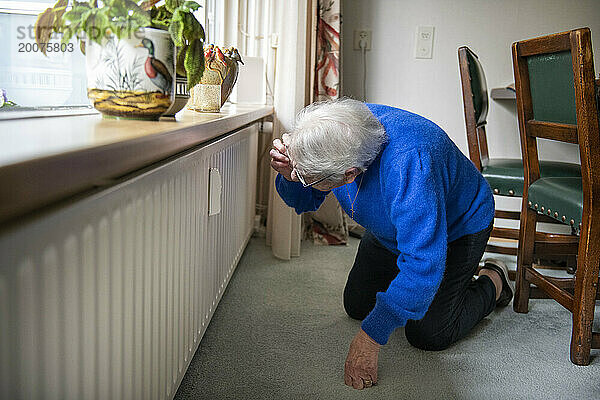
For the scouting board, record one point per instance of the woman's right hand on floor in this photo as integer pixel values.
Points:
(280, 161)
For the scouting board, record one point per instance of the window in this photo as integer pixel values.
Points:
(31, 80)
(257, 42)
(253, 27)
(55, 84)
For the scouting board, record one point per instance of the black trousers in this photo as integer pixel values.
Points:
(459, 304)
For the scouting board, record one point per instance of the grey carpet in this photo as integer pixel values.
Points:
(280, 332)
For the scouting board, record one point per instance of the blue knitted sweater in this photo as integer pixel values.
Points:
(419, 194)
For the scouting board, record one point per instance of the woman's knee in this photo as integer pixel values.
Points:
(355, 305)
(355, 311)
(424, 338)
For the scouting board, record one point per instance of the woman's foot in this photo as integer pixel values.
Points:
(497, 271)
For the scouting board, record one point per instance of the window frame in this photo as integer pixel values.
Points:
(35, 8)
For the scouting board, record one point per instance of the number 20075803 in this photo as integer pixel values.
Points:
(45, 47)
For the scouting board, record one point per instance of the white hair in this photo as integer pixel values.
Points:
(331, 136)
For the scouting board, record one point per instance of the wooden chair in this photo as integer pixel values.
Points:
(505, 175)
(554, 80)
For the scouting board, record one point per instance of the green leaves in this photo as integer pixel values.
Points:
(179, 63)
(75, 14)
(194, 62)
(59, 9)
(119, 17)
(176, 28)
(161, 17)
(122, 18)
(192, 28)
(192, 5)
(188, 34)
(125, 17)
(184, 25)
(172, 5)
(95, 24)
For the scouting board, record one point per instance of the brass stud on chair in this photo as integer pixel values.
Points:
(555, 215)
(535, 206)
(572, 222)
(542, 208)
(496, 191)
(549, 212)
(564, 218)
(511, 192)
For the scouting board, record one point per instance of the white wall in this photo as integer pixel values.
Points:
(431, 87)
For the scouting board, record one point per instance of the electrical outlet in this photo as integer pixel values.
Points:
(424, 42)
(362, 36)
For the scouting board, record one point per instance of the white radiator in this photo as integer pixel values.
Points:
(108, 297)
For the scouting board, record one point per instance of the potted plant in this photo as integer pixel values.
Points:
(134, 51)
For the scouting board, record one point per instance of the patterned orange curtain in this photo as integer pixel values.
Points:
(327, 68)
(327, 225)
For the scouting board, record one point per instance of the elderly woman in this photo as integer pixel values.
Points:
(428, 214)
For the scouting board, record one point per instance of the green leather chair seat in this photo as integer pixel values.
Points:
(559, 198)
(505, 175)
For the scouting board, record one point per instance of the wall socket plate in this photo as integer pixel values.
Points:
(424, 42)
(364, 35)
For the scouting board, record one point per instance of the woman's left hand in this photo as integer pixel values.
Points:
(360, 370)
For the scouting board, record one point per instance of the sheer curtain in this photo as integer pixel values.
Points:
(276, 31)
(300, 44)
(284, 228)
(307, 66)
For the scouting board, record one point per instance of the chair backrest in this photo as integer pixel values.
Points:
(555, 85)
(475, 101)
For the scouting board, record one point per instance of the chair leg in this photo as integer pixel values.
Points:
(524, 259)
(584, 301)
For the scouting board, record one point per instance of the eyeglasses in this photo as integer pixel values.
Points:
(300, 177)
(303, 182)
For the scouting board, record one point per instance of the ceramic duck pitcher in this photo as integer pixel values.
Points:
(220, 75)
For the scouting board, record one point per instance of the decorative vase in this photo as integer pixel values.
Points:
(132, 77)
(220, 74)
